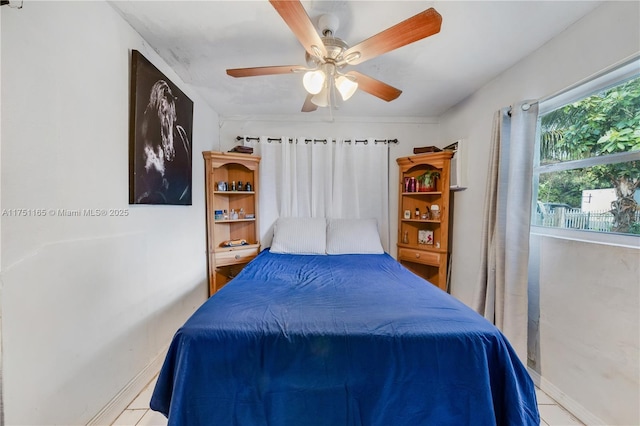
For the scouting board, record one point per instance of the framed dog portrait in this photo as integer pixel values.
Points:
(160, 149)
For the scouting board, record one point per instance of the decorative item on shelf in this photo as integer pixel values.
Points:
(218, 215)
(435, 212)
(413, 184)
(240, 187)
(248, 187)
(422, 150)
(241, 214)
(234, 243)
(405, 237)
(407, 214)
(417, 213)
(425, 236)
(427, 181)
(250, 216)
(407, 184)
(225, 215)
(233, 185)
(242, 149)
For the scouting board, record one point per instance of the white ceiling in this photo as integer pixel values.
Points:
(478, 40)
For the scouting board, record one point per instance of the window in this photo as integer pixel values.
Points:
(587, 167)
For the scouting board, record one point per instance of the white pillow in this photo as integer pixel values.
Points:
(353, 236)
(300, 235)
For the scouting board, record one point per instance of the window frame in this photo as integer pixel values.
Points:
(608, 78)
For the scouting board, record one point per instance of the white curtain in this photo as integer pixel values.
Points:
(501, 293)
(303, 177)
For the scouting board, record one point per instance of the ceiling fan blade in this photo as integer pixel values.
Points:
(255, 71)
(308, 105)
(297, 19)
(419, 26)
(375, 87)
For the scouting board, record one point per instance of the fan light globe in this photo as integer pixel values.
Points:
(313, 81)
(346, 87)
(321, 99)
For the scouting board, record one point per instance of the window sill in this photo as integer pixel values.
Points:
(594, 237)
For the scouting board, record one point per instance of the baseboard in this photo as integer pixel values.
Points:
(584, 415)
(121, 401)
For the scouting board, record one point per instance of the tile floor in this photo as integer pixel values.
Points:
(139, 414)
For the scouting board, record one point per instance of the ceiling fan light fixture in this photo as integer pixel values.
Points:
(346, 86)
(321, 99)
(313, 81)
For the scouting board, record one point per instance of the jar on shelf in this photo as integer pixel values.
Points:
(435, 212)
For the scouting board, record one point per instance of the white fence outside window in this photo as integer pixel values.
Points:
(601, 221)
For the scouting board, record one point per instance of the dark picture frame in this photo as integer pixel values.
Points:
(160, 130)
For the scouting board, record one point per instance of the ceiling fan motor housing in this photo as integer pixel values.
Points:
(335, 48)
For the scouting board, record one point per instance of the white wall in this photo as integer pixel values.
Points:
(87, 302)
(410, 132)
(601, 39)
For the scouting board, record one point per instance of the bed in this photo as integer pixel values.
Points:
(339, 339)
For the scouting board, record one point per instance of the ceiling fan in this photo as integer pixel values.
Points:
(328, 55)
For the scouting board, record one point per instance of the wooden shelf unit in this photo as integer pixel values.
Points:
(224, 263)
(426, 260)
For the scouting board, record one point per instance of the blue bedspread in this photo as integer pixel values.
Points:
(340, 340)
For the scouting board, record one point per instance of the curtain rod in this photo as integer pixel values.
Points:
(525, 106)
(324, 141)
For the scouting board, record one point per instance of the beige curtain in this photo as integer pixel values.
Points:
(501, 293)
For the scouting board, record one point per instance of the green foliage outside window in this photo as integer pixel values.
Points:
(602, 124)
